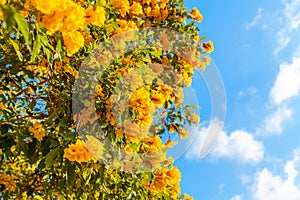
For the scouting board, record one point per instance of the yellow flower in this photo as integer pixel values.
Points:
(158, 98)
(1, 13)
(2, 107)
(122, 6)
(134, 130)
(77, 152)
(70, 70)
(165, 181)
(74, 18)
(96, 17)
(53, 21)
(206, 60)
(94, 146)
(178, 95)
(136, 9)
(126, 25)
(73, 41)
(38, 130)
(8, 182)
(208, 46)
(194, 118)
(196, 15)
(183, 133)
(172, 128)
(46, 7)
(188, 197)
(152, 144)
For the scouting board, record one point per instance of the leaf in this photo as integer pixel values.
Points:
(38, 197)
(51, 157)
(16, 47)
(36, 48)
(104, 125)
(71, 174)
(22, 24)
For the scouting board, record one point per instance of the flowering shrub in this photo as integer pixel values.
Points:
(44, 44)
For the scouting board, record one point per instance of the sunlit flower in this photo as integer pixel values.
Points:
(38, 130)
(208, 46)
(46, 7)
(122, 6)
(77, 152)
(73, 41)
(136, 8)
(8, 182)
(194, 118)
(183, 133)
(96, 17)
(196, 15)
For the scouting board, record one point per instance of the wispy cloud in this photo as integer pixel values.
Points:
(250, 91)
(274, 121)
(289, 24)
(255, 20)
(237, 197)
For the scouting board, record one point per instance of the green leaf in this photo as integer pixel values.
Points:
(16, 47)
(22, 25)
(104, 125)
(71, 174)
(51, 157)
(36, 48)
(54, 143)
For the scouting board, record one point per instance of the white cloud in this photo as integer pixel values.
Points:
(269, 186)
(250, 91)
(274, 121)
(239, 145)
(237, 197)
(287, 83)
(255, 20)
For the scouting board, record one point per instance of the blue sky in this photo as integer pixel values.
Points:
(257, 51)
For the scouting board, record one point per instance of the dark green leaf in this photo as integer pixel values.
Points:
(71, 174)
(51, 157)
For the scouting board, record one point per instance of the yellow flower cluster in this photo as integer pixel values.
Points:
(8, 182)
(183, 133)
(145, 9)
(140, 101)
(208, 46)
(38, 130)
(194, 119)
(197, 15)
(165, 181)
(69, 18)
(122, 6)
(78, 152)
(161, 94)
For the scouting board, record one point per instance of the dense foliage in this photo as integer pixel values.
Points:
(43, 46)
